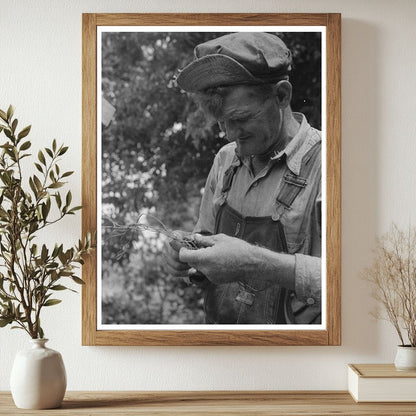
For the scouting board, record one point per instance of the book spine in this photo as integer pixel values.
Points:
(353, 381)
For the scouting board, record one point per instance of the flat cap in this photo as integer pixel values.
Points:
(237, 59)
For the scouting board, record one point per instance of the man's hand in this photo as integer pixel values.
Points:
(173, 264)
(224, 259)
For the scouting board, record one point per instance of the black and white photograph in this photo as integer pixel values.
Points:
(211, 192)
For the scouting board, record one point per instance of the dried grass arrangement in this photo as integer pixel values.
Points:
(393, 277)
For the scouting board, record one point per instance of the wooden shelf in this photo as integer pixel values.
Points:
(318, 403)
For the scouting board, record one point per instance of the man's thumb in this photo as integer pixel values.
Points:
(204, 240)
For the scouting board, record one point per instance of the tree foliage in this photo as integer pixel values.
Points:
(156, 155)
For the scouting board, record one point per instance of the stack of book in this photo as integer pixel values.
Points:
(381, 383)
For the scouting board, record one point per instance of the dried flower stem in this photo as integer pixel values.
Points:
(393, 276)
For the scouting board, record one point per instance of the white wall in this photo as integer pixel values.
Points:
(40, 73)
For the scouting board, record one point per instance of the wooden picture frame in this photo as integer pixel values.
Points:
(331, 333)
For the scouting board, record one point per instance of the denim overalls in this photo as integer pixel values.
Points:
(253, 301)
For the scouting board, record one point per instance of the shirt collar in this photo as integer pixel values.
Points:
(297, 147)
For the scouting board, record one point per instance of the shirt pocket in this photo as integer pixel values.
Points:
(295, 229)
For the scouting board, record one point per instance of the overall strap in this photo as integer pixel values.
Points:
(228, 178)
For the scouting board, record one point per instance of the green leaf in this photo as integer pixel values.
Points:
(33, 187)
(37, 182)
(67, 174)
(8, 133)
(45, 211)
(51, 302)
(5, 179)
(39, 167)
(56, 185)
(34, 226)
(24, 132)
(55, 251)
(72, 210)
(44, 253)
(76, 279)
(49, 152)
(62, 257)
(14, 125)
(54, 145)
(59, 287)
(10, 112)
(41, 157)
(58, 199)
(68, 199)
(60, 250)
(40, 332)
(63, 150)
(3, 115)
(25, 145)
(5, 321)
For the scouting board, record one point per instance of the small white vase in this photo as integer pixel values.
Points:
(38, 377)
(405, 358)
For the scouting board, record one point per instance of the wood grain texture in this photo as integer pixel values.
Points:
(266, 403)
(89, 172)
(380, 371)
(209, 337)
(333, 185)
(330, 336)
(214, 19)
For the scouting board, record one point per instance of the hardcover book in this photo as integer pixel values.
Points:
(381, 383)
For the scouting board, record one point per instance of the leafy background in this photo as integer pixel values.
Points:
(156, 155)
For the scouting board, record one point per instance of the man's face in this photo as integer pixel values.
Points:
(253, 122)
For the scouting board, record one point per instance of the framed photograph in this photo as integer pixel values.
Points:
(211, 172)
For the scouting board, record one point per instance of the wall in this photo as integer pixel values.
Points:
(40, 73)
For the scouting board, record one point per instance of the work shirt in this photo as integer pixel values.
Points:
(256, 195)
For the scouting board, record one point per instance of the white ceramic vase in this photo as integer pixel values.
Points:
(38, 378)
(405, 358)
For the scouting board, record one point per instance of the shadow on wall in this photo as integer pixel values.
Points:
(360, 180)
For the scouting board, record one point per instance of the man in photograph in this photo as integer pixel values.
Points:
(259, 226)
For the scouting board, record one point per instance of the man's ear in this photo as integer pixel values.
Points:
(283, 93)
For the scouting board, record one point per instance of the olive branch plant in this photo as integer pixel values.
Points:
(31, 273)
(393, 278)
